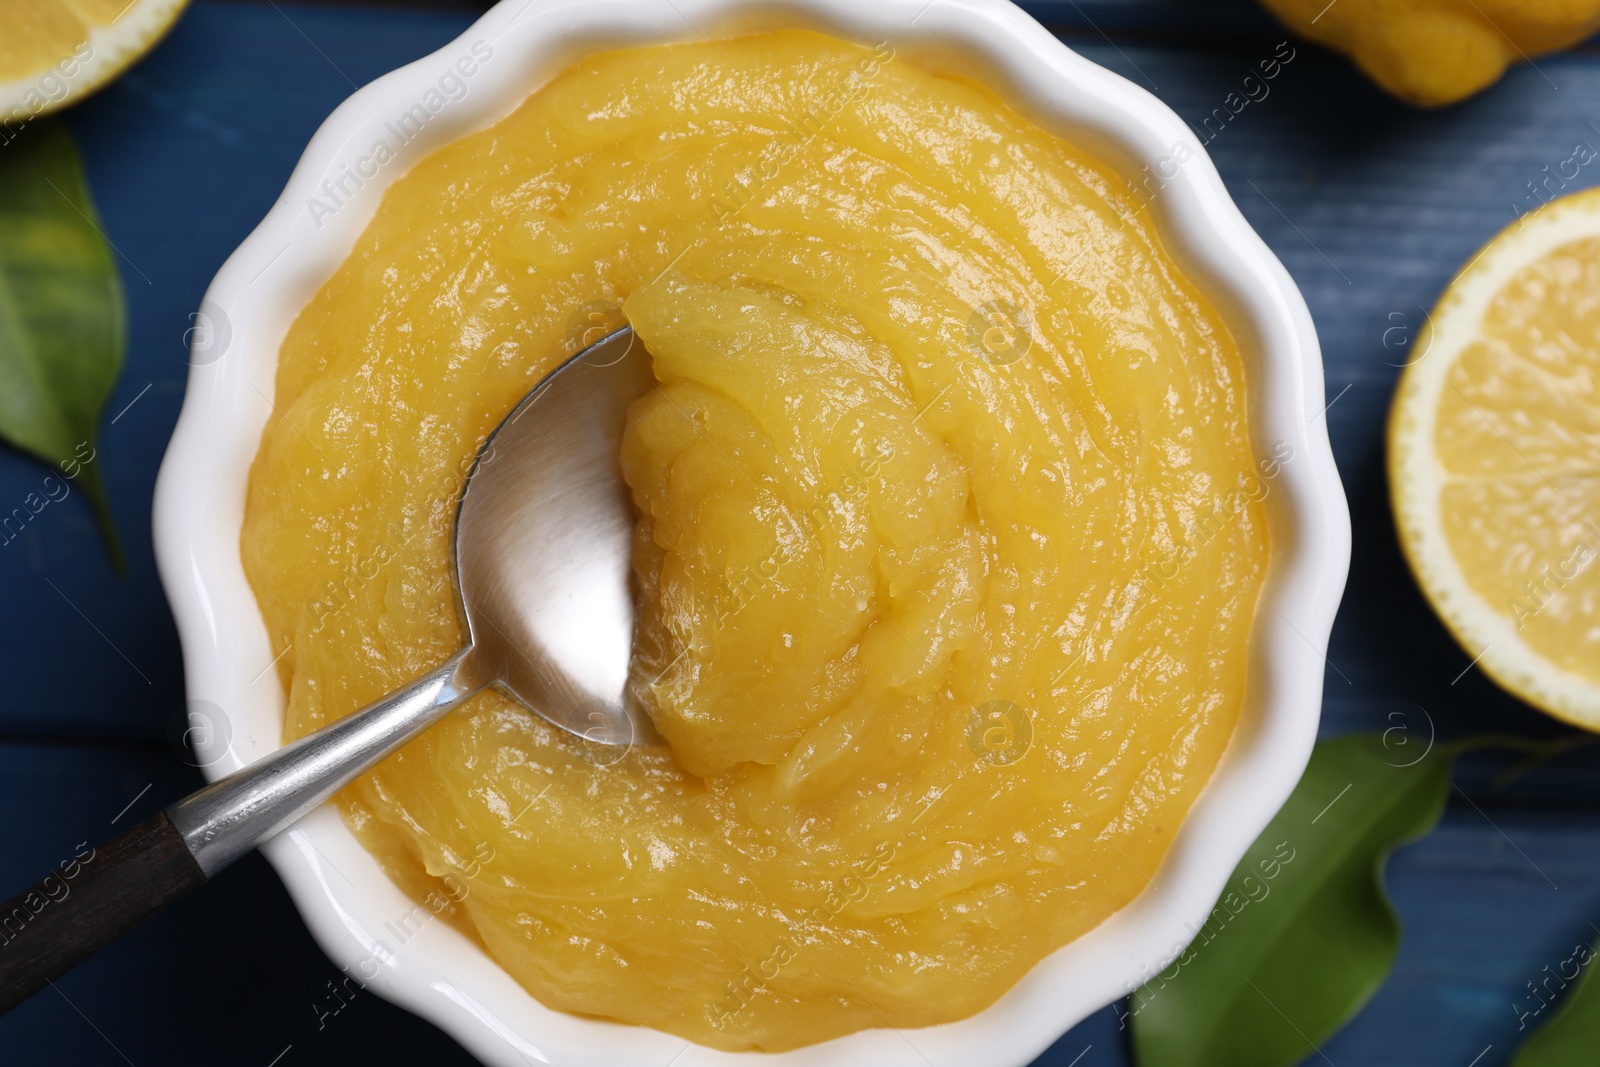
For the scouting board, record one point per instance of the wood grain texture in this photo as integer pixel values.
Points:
(90, 900)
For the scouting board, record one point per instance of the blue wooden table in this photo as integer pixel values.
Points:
(1370, 204)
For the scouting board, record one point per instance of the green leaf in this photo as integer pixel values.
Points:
(1304, 933)
(1572, 1036)
(61, 316)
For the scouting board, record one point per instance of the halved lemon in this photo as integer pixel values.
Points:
(53, 52)
(1494, 458)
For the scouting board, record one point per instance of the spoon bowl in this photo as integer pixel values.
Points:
(543, 543)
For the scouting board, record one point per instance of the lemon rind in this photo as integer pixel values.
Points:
(115, 48)
(1416, 479)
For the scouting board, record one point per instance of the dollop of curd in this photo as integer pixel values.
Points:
(949, 543)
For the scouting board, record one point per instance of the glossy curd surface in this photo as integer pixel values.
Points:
(949, 548)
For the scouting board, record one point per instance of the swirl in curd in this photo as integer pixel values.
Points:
(949, 547)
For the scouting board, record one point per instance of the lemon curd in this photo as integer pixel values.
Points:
(947, 560)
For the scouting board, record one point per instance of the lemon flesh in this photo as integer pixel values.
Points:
(949, 552)
(1495, 458)
(54, 52)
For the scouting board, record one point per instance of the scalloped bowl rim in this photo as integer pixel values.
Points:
(391, 944)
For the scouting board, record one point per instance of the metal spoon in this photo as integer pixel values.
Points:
(542, 544)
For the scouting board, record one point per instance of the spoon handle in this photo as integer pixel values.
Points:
(68, 916)
(91, 901)
(231, 816)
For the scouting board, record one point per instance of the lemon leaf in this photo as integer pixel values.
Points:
(1571, 1036)
(1304, 933)
(61, 318)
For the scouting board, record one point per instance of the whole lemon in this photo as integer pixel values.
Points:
(1434, 52)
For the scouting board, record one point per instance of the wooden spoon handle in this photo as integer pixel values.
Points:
(70, 915)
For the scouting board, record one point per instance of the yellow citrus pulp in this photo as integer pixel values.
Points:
(950, 536)
(53, 52)
(1494, 458)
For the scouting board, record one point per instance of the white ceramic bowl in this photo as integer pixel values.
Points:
(352, 908)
